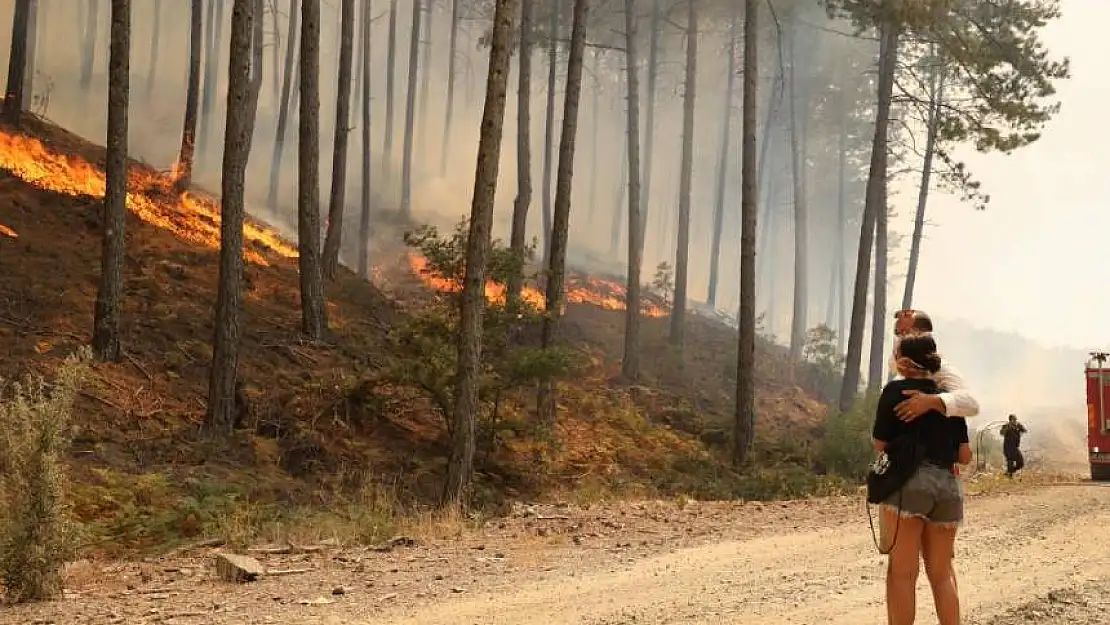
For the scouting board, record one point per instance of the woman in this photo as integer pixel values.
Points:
(923, 516)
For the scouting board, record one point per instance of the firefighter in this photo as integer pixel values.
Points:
(1011, 445)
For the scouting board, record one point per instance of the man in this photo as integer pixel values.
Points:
(954, 400)
(1011, 445)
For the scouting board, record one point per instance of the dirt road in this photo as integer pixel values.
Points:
(1040, 555)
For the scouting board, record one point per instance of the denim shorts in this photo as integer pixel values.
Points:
(934, 494)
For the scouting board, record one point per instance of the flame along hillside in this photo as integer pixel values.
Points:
(314, 409)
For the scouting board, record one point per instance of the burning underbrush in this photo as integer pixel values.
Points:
(322, 417)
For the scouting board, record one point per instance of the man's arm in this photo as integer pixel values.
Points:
(955, 394)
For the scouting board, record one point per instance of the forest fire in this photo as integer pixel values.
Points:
(595, 291)
(150, 195)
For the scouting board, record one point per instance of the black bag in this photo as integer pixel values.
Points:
(889, 473)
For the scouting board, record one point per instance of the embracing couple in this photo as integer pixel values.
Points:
(926, 404)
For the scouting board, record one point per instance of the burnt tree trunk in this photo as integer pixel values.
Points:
(472, 303)
(410, 110)
(630, 362)
(560, 230)
(682, 252)
(342, 133)
(523, 201)
(549, 128)
(106, 340)
(452, 52)
(183, 171)
(222, 405)
(649, 121)
(313, 311)
(17, 63)
(390, 89)
(284, 105)
(935, 104)
(744, 424)
(32, 58)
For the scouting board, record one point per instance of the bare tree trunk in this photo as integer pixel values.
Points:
(152, 63)
(595, 132)
(425, 76)
(744, 425)
(364, 220)
(460, 464)
(17, 63)
(523, 201)
(840, 262)
(32, 47)
(557, 266)
(211, 71)
(390, 89)
(722, 172)
(682, 255)
(798, 323)
(183, 170)
(549, 128)
(649, 122)
(410, 110)
(313, 311)
(630, 363)
(284, 105)
(339, 153)
(452, 53)
(876, 360)
(222, 408)
(90, 36)
(873, 205)
(106, 340)
(923, 192)
(615, 233)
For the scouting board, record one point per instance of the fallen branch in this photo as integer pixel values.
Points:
(288, 572)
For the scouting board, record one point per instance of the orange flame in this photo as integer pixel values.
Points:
(8, 232)
(150, 196)
(601, 293)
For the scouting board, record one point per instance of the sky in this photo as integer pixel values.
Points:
(1035, 262)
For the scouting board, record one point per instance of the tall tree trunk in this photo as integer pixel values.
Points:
(876, 361)
(183, 171)
(275, 49)
(410, 110)
(390, 89)
(744, 424)
(722, 172)
(452, 53)
(89, 36)
(32, 47)
(364, 219)
(595, 132)
(649, 121)
(619, 208)
(211, 71)
(630, 363)
(682, 252)
(152, 63)
(873, 204)
(798, 321)
(425, 76)
(549, 128)
(106, 340)
(460, 465)
(560, 230)
(284, 105)
(222, 408)
(523, 200)
(342, 131)
(840, 261)
(17, 63)
(313, 310)
(935, 105)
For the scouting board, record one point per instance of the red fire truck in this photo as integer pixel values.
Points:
(1098, 416)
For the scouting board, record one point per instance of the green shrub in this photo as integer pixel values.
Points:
(847, 450)
(37, 534)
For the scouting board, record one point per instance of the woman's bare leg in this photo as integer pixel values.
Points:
(938, 547)
(902, 567)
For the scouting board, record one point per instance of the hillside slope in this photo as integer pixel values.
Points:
(321, 421)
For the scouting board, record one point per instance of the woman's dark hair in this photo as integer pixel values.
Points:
(921, 350)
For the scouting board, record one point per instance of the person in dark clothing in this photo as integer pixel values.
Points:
(928, 510)
(1011, 445)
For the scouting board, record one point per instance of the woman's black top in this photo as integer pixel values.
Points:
(941, 435)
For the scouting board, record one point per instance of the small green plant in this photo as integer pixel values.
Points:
(847, 450)
(37, 534)
(823, 368)
(662, 284)
(511, 360)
